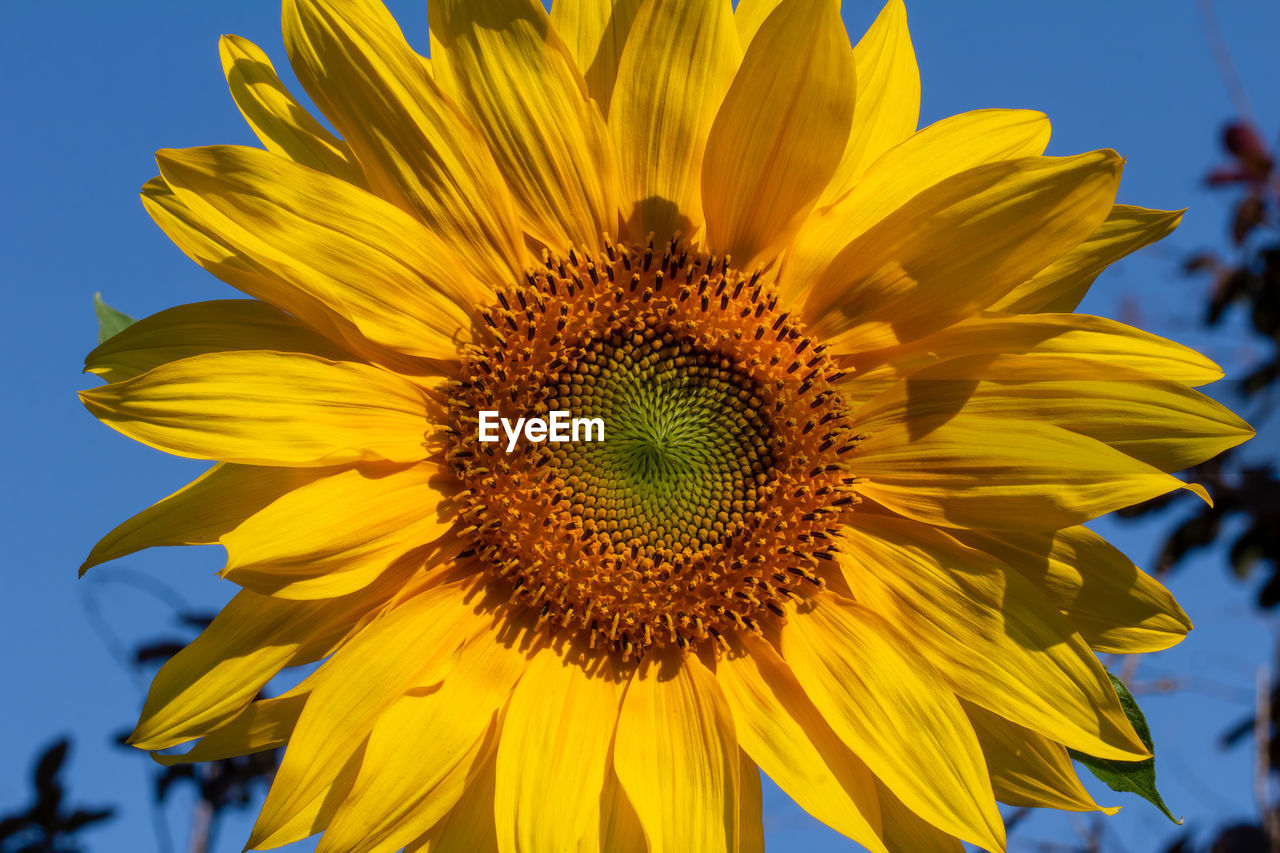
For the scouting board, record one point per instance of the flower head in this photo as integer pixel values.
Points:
(851, 430)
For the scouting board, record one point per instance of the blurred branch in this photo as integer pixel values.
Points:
(1226, 63)
(219, 785)
(1262, 730)
(49, 825)
(201, 827)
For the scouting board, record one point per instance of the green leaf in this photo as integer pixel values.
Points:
(1137, 777)
(110, 321)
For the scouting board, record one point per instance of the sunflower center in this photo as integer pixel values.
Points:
(685, 450)
(708, 506)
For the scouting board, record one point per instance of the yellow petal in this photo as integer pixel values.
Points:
(787, 737)
(282, 124)
(750, 807)
(748, 15)
(197, 239)
(554, 747)
(1115, 606)
(416, 146)
(620, 829)
(993, 334)
(337, 534)
(202, 327)
(779, 135)
(413, 646)
(944, 148)
(905, 831)
(369, 262)
(594, 32)
(402, 792)
(994, 639)
(202, 511)
(259, 726)
(323, 799)
(1060, 286)
(251, 639)
(894, 712)
(198, 242)
(1027, 769)
(1164, 424)
(270, 409)
(998, 473)
(672, 76)
(469, 824)
(505, 63)
(958, 246)
(675, 755)
(888, 105)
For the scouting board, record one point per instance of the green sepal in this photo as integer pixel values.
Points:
(1136, 777)
(110, 321)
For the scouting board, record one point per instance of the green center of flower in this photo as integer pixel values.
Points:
(685, 450)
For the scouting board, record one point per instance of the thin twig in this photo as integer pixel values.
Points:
(110, 640)
(1262, 762)
(1090, 834)
(204, 817)
(201, 827)
(159, 825)
(1158, 686)
(1226, 64)
(1017, 817)
(1129, 669)
(159, 590)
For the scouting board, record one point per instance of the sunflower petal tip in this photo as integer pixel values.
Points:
(168, 158)
(1212, 370)
(152, 187)
(1201, 492)
(146, 735)
(1103, 158)
(88, 398)
(165, 159)
(1113, 158)
(1135, 750)
(257, 835)
(997, 841)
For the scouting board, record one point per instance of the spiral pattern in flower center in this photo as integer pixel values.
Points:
(686, 451)
(711, 501)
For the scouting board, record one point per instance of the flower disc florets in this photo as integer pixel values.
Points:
(710, 500)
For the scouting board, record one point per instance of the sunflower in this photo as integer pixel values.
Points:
(852, 430)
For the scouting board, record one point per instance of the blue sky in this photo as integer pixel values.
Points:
(94, 88)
